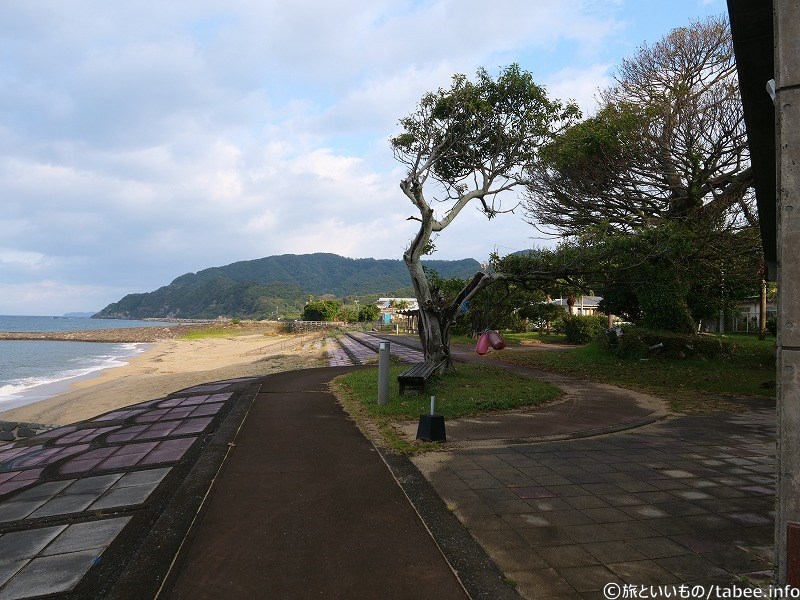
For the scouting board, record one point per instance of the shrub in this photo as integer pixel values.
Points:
(641, 343)
(581, 329)
(772, 325)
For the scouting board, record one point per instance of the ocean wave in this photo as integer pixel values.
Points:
(23, 387)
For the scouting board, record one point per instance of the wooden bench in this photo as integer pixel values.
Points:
(415, 377)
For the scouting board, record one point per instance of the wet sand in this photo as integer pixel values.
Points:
(171, 365)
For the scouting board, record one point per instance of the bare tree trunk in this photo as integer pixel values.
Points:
(434, 326)
(762, 313)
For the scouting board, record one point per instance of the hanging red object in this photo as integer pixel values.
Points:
(482, 347)
(496, 340)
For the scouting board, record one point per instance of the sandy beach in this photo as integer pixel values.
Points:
(171, 365)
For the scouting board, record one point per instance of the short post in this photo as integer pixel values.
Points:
(383, 373)
(431, 426)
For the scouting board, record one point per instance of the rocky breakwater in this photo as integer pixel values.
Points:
(125, 335)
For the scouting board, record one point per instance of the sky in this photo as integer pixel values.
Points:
(142, 140)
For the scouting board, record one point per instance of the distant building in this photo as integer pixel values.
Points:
(394, 309)
(584, 305)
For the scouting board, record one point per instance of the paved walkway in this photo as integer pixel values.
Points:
(305, 507)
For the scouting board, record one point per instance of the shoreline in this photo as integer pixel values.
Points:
(170, 365)
(50, 389)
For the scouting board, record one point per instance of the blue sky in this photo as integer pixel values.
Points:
(142, 140)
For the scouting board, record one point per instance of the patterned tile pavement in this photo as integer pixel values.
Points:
(690, 499)
(66, 494)
(358, 347)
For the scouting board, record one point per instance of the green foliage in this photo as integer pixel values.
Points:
(541, 313)
(321, 310)
(487, 125)
(694, 384)
(368, 313)
(348, 314)
(581, 329)
(772, 325)
(642, 343)
(467, 390)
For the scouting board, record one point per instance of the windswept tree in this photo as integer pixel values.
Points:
(469, 144)
(668, 143)
(667, 151)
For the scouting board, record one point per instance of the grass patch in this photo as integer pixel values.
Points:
(231, 329)
(692, 385)
(214, 331)
(468, 390)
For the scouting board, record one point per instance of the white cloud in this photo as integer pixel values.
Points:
(141, 141)
(581, 85)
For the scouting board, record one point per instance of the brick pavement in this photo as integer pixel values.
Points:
(689, 499)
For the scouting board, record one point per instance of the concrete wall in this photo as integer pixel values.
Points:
(787, 111)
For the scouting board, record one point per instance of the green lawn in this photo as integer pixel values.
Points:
(692, 385)
(469, 390)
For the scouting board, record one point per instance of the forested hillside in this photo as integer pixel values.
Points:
(275, 286)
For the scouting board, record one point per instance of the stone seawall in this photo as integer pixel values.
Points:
(126, 335)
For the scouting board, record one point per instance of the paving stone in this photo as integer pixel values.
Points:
(96, 484)
(48, 575)
(64, 505)
(485, 523)
(630, 530)
(26, 543)
(612, 552)
(590, 533)
(567, 556)
(541, 583)
(86, 536)
(659, 547)
(547, 536)
(9, 569)
(749, 518)
(588, 578)
(43, 490)
(14, 511)
(507, 507)
(518, 559)
(690, 567)
(643, 571)
(7, 436)
(606, 515)
(644, 511)
(584, 502)
(737, 560)
(681, 508)
(566, 491)
(568, 517)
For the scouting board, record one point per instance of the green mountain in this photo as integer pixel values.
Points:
(275, 285)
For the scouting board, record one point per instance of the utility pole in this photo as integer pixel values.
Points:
(787, 145)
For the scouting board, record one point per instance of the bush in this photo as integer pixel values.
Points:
(772, 325)
(642, 343)
(581, 329)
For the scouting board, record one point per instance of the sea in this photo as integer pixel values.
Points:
(34, 370)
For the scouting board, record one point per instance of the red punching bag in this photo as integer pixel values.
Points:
(482, 346)
(496, 340)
